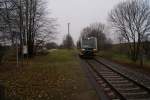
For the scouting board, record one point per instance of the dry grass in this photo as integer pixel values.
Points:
(56, 76)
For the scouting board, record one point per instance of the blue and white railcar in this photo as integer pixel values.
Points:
(88, 46)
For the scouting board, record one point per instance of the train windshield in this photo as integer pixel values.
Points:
(89, 43)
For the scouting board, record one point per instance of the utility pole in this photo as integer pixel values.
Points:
(68, 28)
(17, 54)
(68, 34)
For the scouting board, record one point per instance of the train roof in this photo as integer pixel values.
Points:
(89, 38)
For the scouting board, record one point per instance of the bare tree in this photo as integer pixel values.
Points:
(97, 30)
(68, 42)
(132, 20)
(146, 45)
(7, 20)
(51, 45)
(27, 19)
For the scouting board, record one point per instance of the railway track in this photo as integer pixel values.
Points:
(116, 85)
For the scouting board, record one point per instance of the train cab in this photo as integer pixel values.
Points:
(88, 46)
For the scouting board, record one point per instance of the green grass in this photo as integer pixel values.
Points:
(56, 76)
(122, 58)
(114, 55)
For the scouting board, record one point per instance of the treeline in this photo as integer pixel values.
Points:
(97, 30)
(131, 21)
(23, 23)
(67, 42)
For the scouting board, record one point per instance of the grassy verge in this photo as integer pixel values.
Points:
(115, 56)
(56, 76)
(122, 59)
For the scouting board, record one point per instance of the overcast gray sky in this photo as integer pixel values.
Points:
(80, 13)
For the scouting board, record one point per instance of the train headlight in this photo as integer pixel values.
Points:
(82, 49)
(94, 49)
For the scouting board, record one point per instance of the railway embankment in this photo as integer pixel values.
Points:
(124, 60)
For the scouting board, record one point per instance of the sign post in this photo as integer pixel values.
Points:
(25, 50)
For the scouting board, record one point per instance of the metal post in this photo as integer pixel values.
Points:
(17, 50)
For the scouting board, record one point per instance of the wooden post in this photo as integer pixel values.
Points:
(2, 92)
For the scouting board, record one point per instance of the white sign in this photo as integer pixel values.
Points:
(25, 49)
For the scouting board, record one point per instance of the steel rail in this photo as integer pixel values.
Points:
(128, 78)
(110, 85)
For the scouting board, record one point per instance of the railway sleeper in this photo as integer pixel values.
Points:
(106, 70)
(131, 91)
(127, 84)
(146, 84)
(112, 76)
(119, 82)
(109, 75)
(123, 86)
(115, 79)
(140, 99)
(136, 95)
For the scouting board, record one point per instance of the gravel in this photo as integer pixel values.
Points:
(135, 74)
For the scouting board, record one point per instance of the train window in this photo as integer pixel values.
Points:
(88, 43)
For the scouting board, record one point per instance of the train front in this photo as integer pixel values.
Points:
(88, 47)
